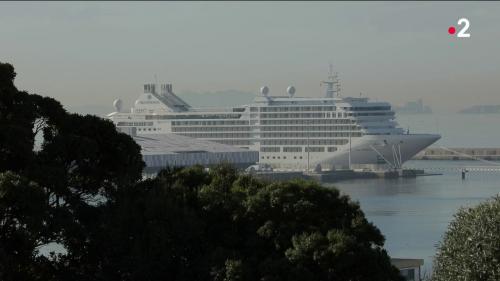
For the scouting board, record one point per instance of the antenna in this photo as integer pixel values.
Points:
(333, 83)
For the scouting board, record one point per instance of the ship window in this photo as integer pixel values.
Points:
(315, 149)
(295, 157)
(300, 157)
(274, 157)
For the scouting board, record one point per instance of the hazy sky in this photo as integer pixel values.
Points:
(91, 53)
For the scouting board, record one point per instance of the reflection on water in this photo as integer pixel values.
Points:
(413, 213)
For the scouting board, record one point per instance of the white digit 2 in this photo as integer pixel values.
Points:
(461, 33)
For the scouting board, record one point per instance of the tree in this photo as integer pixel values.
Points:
(22, 212)
(80, 165)
(194, 225)
(83, 190)
(470, 249)
(16, 117)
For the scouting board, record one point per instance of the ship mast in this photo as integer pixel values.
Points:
(332, 84)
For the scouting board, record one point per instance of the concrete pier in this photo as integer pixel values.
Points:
(439, 153)
(338, 175)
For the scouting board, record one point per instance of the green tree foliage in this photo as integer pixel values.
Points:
(226, 226)
(80, 165)
(83, 191)
(470, 249)
(16, 121)
(23, 215)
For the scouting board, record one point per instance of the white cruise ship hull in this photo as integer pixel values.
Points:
(385, 150)
(369, 151)
(289, 132)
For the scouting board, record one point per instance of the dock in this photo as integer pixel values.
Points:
(459, 153)
(340, 175)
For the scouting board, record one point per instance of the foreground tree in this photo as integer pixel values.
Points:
(22, 212)
(80, 163)
(195, 225)
(470, 249)
(82, 189)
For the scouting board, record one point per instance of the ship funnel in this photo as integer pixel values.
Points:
(166, 88)
(149, 88)
(264, 91)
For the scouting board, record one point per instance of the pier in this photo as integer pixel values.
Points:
(340, 175)
(458, 153)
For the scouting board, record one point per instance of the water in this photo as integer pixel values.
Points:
(413, 213)
(457, 130)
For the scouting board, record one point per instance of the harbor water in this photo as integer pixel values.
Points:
(414, 213)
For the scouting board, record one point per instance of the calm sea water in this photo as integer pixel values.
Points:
(413, 213)
(456, 130)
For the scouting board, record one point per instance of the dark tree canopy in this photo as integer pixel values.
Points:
(83, 190)
(470, 249)
(22, 215)
(82, 161)
(195, 225)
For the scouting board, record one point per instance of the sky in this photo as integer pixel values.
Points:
(92, 53)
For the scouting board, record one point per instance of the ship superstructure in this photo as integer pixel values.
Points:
(290, 132)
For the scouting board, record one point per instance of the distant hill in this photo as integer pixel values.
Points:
(413, 107)
(477, 109)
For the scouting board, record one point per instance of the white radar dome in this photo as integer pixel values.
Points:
(118, 104)
(264, 91)
(290, 90)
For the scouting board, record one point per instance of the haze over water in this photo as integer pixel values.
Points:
(456, 130)
(413, 213)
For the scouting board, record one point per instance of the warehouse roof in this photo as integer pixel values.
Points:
(161, 144)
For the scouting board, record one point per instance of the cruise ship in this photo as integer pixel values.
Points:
(290, 132)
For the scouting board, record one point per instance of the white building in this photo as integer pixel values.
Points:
(170, 150)
(409, 268)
